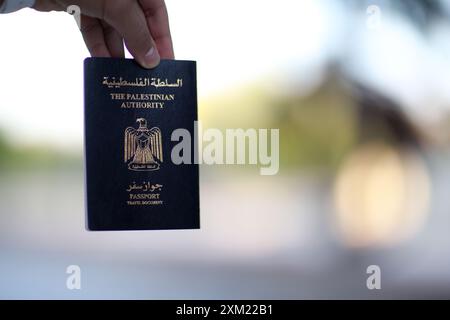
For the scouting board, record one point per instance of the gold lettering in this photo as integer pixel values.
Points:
(145, 196)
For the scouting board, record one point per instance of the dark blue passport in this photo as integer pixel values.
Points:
(132, 182)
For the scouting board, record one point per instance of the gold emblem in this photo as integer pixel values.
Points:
(143, 147)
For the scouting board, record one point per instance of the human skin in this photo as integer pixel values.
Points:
(142, 25)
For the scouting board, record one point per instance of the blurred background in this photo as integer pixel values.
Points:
(360, 91)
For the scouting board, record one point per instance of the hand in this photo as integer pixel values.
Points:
(143, 25)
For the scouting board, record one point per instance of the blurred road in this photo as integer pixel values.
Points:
(260, 238)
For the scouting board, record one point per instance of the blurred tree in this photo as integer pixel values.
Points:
(5, 150)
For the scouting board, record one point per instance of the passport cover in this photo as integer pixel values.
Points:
(130, 114)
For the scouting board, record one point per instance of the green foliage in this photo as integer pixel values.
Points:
(34, 158)
(315, 131)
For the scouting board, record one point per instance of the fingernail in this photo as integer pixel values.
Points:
(151, 58)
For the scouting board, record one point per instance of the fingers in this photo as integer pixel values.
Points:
(157, 18)
(129, 20)
(46, 5)
(142, 24)
(114, 41)
(93, 36)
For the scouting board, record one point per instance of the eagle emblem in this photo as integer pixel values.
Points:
(143, 147)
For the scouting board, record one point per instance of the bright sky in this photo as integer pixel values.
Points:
(234, 42)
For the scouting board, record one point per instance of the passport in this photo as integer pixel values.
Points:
(130, 115)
